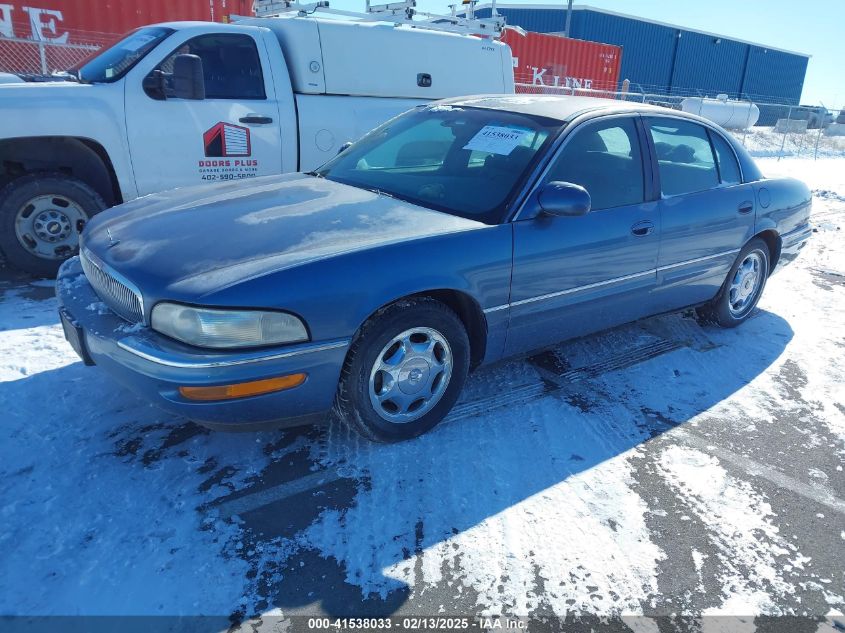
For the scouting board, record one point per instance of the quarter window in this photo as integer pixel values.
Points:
(728, 167)
(605, 159)
(230, 65)
(684, 156)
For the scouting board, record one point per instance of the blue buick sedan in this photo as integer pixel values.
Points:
(454, 235)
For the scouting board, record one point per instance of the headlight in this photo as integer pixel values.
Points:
(206, 327)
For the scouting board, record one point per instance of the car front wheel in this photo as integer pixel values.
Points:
(404, 371)
(743, 287)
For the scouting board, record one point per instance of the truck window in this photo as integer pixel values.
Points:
(230, 65)
(112, 63)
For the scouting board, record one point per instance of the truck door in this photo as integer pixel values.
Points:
(232, 133)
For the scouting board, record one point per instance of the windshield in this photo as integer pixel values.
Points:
(114, 62)
(464, 161)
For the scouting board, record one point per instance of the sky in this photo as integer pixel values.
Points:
(814, 27)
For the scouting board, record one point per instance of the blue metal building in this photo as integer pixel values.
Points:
(668, 59)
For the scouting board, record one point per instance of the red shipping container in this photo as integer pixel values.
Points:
(556, 62)
(76, 21)
(68, 31)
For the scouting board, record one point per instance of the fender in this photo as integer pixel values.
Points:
(70, 110)
(476, 263)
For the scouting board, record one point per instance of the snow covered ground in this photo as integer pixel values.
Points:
(661, 468)
(765, 142)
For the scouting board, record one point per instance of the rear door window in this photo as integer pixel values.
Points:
(684, 156)
(603, 157)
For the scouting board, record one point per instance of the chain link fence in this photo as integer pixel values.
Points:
(778, 130)
(29, 57)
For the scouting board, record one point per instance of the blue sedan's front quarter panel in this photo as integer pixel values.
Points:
(335, 296)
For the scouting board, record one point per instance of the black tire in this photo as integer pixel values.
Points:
(719, 311)
(13, 198)
(353, 403)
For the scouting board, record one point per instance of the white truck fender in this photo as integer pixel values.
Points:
(91, 113)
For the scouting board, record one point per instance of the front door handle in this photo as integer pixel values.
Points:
(642, 228)
(255, 118)
(746, 207)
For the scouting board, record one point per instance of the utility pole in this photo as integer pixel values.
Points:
(568, 19)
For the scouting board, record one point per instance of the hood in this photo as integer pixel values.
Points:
(14, 86)
(191, 242)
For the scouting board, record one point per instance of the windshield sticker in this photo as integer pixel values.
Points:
(496, 139)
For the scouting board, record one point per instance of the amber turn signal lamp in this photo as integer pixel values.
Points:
(243, 389)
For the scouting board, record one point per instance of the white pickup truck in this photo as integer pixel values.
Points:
(185, 103)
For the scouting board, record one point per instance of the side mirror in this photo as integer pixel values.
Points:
(153, 85)
(188, 79)
(344, 147)
(564, 199)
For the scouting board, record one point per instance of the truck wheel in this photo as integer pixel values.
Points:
(742, 288)
(41, 217)
(404, 371)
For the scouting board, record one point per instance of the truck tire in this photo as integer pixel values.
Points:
(41, 217)
(404, 371)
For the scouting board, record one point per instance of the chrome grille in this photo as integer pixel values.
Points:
(117, 294)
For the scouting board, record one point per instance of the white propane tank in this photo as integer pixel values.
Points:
(723, 111)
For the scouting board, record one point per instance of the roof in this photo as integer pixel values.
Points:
(558, 107)
(585, 7)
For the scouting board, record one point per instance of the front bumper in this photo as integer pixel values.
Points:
(155, 366)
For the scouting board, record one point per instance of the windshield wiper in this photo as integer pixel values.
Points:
(378, 191)
(374, 190)
(71, 74)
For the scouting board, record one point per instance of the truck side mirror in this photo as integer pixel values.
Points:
(188, 78)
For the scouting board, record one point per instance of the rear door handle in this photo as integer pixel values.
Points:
(642, 228)
(746, 207)
(255, 118)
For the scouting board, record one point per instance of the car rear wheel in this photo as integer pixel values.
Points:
(743, 287)
(404, 371)
(41, 217)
